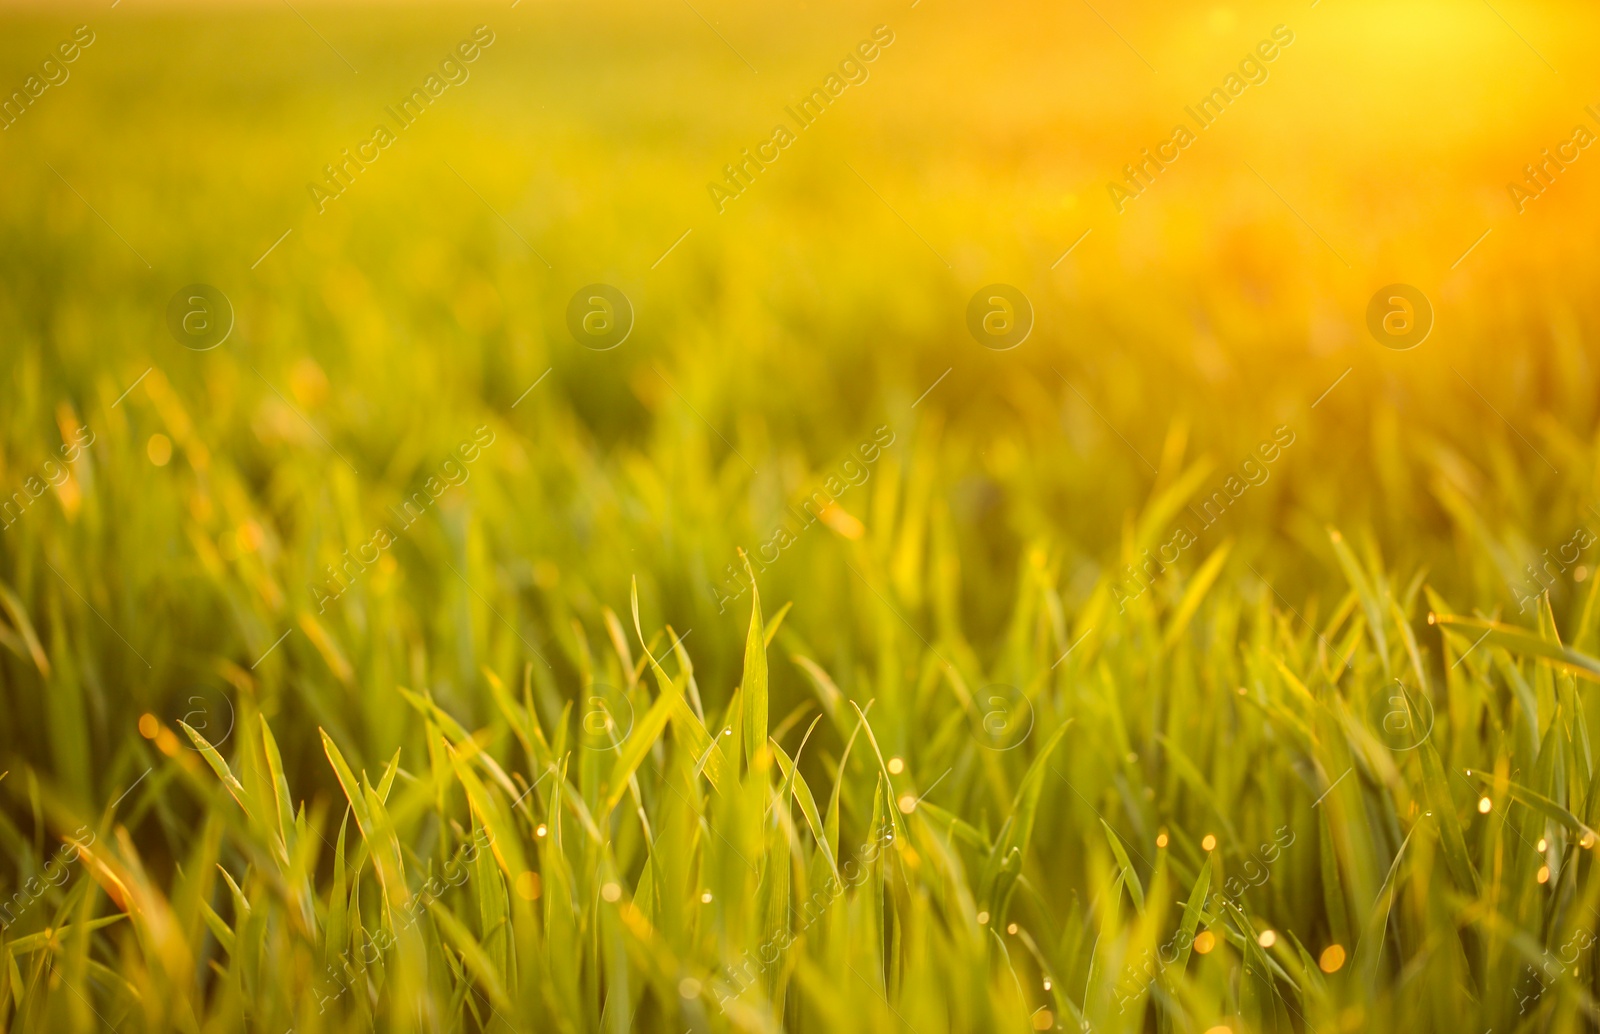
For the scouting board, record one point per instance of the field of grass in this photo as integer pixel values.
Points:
(405, 662)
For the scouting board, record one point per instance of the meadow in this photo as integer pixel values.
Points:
(494, 575)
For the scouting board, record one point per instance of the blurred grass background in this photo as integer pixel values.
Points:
(770, 341)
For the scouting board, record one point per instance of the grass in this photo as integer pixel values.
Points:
(606, 733)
